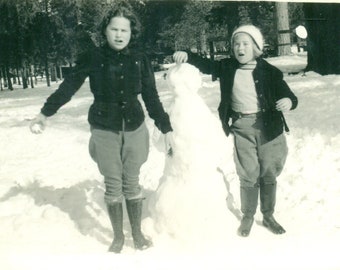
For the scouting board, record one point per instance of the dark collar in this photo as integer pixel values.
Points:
(111, 52)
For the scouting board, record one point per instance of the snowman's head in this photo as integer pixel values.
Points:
(184, 78)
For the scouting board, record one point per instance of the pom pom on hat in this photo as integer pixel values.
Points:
(253, 31)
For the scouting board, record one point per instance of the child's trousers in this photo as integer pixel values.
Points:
(257, 162)
(119, 156)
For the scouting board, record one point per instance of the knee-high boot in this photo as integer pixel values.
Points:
(249, 198)
(115, 211)
(134, 209)
(268, 200)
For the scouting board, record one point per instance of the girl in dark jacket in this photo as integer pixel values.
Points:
(254, 96)
(119, 142)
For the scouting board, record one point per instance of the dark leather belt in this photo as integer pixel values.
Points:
(238, 115)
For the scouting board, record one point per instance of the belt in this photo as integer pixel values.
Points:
(238, 115)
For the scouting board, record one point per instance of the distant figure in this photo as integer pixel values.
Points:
(253, 95)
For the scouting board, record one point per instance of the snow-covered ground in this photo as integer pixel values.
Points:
(52, 214)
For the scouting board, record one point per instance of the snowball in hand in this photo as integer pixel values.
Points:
(37, 128)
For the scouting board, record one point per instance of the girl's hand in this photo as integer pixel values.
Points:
(284, 104)
(180, 57)
(38, 124)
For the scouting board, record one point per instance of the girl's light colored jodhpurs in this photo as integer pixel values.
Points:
(257, 162)
(119, 156)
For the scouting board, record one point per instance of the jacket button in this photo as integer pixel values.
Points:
(256, 81)
(122, 77)
(263, 110)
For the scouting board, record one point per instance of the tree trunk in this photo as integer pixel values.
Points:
(203, 41)
(24, 77)
(14, 79)
(61, 73)
(1, 89)
(31, 75)
(28, 75)
(8, 76)
(283, 28)
(53, 75)
(3, 71)
(47, 72)
(18, 75)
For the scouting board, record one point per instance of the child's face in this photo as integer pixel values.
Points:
(118, 33)
(243, 48)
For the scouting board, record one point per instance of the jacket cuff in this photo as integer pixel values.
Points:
(294, 103)
(46, 112)
(164, 125)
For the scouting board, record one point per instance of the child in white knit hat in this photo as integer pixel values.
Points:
(254, 97)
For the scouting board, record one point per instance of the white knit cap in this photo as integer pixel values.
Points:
(253, 31)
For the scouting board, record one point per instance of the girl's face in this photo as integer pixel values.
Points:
(243, 48)
(118, 33)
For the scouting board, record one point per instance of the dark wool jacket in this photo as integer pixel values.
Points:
(116, 79)
(269, 84)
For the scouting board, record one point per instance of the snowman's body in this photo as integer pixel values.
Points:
(190, 201)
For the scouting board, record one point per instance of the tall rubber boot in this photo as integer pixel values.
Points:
(115, 211)
(249, 199)
(134, 209)
(268, 200)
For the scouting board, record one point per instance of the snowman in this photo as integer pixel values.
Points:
(190, 201)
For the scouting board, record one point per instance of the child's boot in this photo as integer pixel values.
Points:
(268, 199)
(115, 211)
(134, 209)
(249, 198)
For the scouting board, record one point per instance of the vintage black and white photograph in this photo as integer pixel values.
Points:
(169, 134)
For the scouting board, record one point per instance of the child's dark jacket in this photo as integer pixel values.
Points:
(116, 79)
(269, 84)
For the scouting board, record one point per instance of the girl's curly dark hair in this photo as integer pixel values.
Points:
(122, 11)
